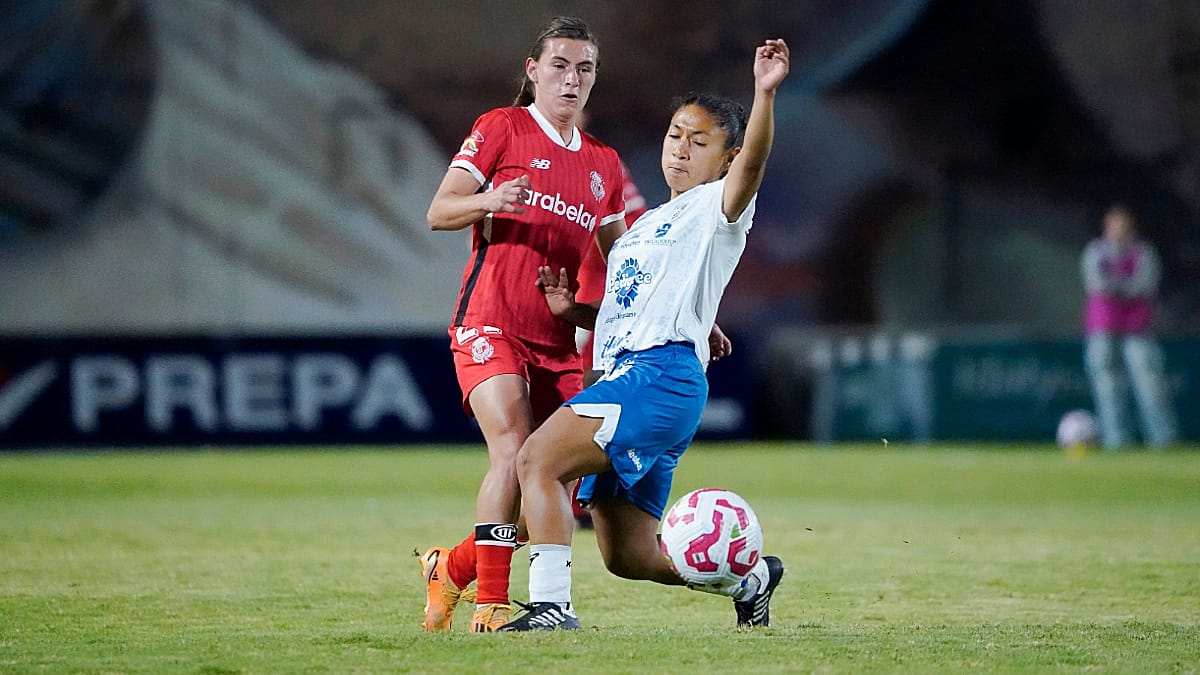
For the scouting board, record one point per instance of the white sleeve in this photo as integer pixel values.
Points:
(744, 220)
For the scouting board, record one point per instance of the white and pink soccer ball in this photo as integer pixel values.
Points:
(1077, 430)
(711, 537)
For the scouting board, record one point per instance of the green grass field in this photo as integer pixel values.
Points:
(899, 560)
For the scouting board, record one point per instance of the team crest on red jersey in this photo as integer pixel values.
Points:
(470, 145)
(597, 186)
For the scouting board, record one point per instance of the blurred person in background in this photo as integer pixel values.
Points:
(536, 191)
(1120, 278)
(625, 434)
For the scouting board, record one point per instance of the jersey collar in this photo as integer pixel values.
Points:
(552, 133)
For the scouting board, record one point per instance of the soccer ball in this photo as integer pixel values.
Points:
(1077, 430)
(711, 538)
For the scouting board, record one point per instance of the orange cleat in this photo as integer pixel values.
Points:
(441, 595)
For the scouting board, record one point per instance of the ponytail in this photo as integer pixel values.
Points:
(525, 94)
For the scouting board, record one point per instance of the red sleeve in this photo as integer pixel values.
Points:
(481, 151)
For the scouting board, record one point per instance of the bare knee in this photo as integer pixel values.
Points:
(530, 459)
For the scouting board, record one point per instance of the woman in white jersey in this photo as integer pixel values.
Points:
(626, 432)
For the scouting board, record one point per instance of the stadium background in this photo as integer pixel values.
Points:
(212, 211)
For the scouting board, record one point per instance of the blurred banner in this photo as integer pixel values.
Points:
(185, 391)
(114, 392)
(925, 387)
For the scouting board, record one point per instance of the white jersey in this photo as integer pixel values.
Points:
(666, 275)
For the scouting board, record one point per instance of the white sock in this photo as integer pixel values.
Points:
(550, 574)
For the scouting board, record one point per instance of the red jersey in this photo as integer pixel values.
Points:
(575, 189)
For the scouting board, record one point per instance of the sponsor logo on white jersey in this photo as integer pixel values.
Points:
(627, 281)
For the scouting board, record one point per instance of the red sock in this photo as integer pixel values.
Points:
(494, 567)
(494, 544)
(461, 562)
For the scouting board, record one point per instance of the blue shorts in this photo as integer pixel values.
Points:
(651, 403)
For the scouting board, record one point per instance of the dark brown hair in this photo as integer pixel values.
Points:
(568, 27)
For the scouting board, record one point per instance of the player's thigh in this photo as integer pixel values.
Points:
(563, 448)
(501, 407)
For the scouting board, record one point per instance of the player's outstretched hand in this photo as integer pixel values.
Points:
(557, 289)
(771, 63)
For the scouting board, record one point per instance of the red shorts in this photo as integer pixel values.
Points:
(554, 375)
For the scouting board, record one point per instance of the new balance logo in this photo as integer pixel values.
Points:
(539, 163)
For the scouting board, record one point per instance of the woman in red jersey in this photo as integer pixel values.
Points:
(535, 191)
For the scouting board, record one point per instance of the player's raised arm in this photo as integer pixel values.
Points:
(771, 63)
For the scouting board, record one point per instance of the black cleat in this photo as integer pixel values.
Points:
(542, 616)
(757, 610)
